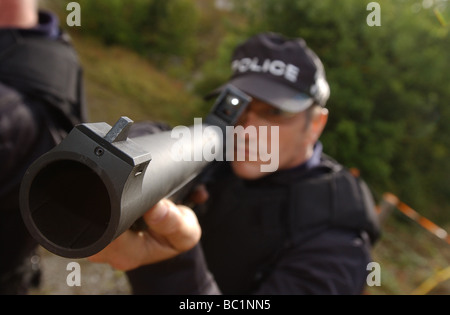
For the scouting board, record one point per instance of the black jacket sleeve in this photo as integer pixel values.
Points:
(186, 274)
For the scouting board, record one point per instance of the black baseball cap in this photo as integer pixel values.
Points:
(282, 72)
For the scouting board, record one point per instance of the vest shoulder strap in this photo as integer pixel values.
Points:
(45, 69)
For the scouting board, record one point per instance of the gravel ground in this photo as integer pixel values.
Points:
(96, 279)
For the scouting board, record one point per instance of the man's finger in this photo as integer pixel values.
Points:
(199, 196)
(177, 224)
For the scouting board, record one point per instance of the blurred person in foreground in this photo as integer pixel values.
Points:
(307, 228)
(41, 99)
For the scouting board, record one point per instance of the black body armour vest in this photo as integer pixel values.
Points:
(248, 224)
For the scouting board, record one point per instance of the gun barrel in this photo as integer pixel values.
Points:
(88, 190)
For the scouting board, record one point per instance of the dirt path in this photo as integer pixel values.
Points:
(96, 279)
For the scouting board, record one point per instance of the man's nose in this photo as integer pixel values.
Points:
(248, 118)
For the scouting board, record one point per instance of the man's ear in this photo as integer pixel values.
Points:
(318, 123)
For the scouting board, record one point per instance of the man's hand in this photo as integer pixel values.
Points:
(172, 230)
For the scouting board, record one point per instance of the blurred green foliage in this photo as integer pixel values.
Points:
(146, 26)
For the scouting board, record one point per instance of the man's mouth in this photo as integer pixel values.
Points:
(243, 150)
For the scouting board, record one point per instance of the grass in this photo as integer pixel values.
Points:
(409, 255)
(120, 83)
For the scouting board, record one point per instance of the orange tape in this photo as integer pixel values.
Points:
(414, 215)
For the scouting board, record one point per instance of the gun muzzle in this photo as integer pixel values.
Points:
(88, 190)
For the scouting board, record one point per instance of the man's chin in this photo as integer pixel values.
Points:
(247, 170)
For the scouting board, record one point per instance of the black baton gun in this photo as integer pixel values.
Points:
(97, 182)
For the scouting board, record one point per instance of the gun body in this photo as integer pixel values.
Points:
(84, 193)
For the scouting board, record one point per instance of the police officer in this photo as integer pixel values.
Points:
(41, 99)
(306, 228)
